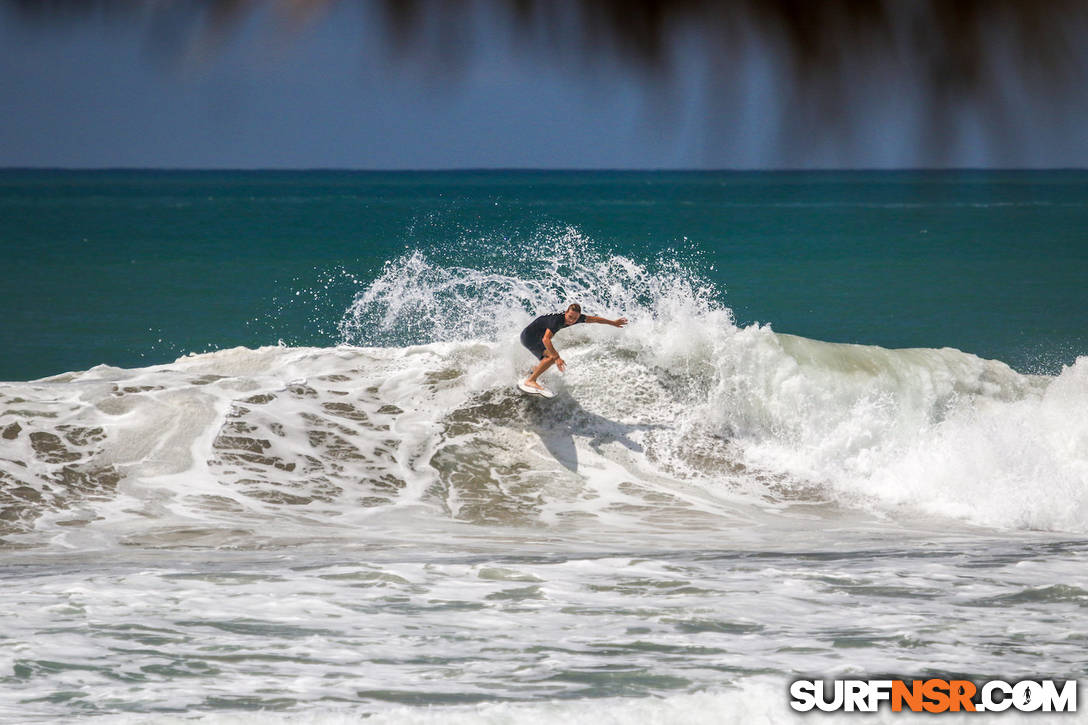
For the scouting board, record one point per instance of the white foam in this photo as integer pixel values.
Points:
(938, 431)
(680, 414)
(758, 701)
(925, 430)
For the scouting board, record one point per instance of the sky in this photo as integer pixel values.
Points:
(338, 92)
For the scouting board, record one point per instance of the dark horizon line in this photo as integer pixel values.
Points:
(540, 169)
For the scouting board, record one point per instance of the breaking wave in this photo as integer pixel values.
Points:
(681, 420)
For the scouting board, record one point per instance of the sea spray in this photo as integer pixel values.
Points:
(418, 299)
(386, 529)
(813, 418)
(681, 419)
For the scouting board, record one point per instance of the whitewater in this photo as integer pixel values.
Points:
(388, 528)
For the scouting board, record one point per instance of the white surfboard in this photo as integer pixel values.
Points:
(542, 392)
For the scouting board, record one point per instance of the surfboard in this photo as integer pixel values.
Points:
(542, 392)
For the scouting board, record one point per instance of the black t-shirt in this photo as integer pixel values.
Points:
(554, 322)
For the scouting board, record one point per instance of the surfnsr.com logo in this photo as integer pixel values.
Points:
(934, 695)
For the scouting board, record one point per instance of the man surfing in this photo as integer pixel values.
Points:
(537, 337)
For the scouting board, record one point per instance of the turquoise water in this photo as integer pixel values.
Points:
(131, 268)
(218, 528)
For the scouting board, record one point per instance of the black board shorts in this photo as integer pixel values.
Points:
(534, 345)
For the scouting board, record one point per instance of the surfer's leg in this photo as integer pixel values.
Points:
(545, 362)
(537, 348)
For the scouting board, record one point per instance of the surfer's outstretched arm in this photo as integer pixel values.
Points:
(605, 321)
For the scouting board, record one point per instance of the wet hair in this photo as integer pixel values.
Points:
(576, 307)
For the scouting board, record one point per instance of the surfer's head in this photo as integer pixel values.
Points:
(572, 314)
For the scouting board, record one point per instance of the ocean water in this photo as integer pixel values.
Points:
(262, 460)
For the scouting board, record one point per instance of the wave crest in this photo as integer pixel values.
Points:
(682, 420)
(417, 300)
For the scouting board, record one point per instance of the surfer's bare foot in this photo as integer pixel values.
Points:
(533, 384)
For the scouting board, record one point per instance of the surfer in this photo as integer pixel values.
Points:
(537, 337)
